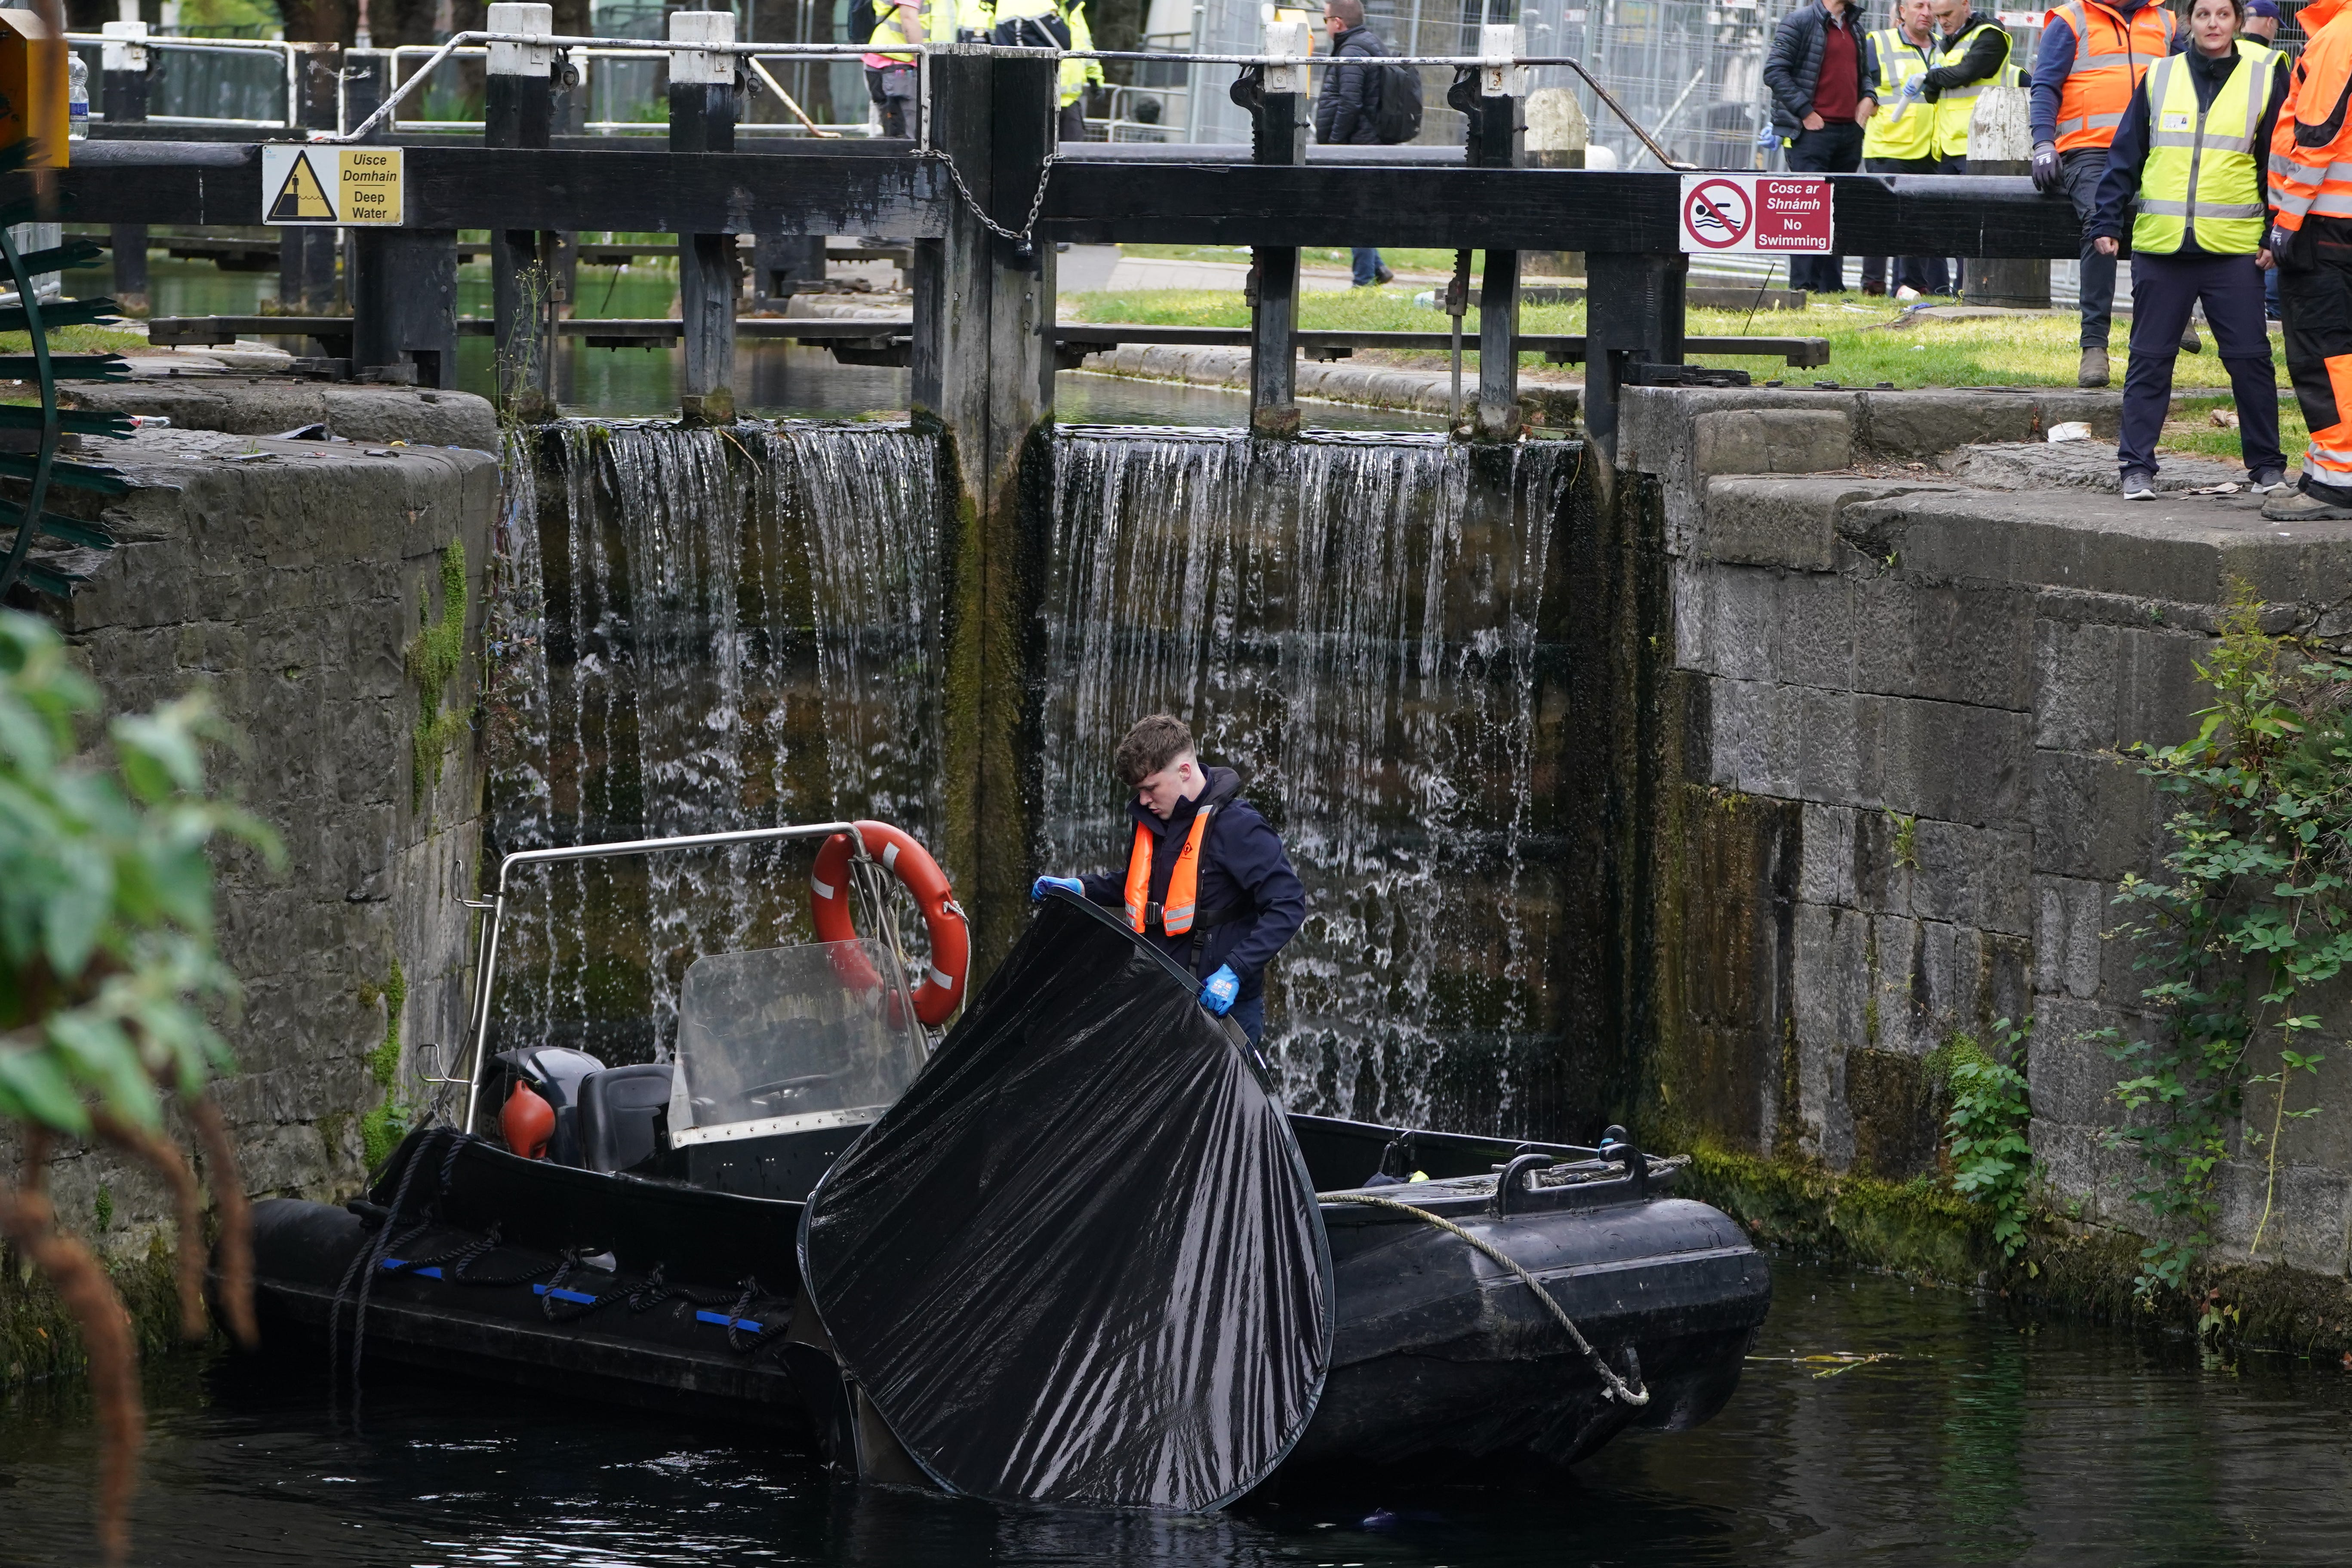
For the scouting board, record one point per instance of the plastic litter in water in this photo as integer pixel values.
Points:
(2071, 430)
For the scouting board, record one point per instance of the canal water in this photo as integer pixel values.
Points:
(1972, 1440)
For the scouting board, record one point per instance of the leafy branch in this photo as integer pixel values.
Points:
(107, 981)
(2248, 915)
(1993, 1160)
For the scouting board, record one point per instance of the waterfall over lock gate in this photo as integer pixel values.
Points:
(1358, 626)
(698, 630)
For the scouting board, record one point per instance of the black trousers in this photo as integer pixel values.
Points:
(2165, 288)
(2315, 299)
(1929, 274)
(1832, 149)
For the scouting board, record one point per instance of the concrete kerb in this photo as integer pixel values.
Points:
(1552, 406)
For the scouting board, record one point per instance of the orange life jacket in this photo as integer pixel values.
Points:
(1175, 912)
(2112, 52)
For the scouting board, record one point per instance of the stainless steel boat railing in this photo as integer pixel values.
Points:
(866, 880)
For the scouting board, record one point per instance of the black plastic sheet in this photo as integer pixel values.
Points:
(1081, 1261)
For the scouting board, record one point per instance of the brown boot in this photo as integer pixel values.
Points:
(2094, 370)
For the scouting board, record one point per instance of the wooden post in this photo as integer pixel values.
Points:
(703, 104)
(2001, 142)
(519, 111)
(1634, 315)
(1497, 138)
(785, 265)
(124, 102)
(1279, 136)
(983, 375)
(404, 287)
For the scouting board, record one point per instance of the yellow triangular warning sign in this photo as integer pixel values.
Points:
(301, 198)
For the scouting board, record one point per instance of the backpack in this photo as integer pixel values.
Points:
(862, 21)
(1048, 32)
(1397, 117)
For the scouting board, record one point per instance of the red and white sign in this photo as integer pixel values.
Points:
(1776, 214)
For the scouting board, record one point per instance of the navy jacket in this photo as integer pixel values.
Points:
(1242, 868)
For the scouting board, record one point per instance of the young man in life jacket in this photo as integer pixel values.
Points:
(1207, 882)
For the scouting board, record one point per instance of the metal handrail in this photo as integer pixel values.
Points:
(486, 953)
(292, 51)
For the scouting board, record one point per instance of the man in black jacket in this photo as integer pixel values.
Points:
(1814, 73)
(1206, 880)
(1348, 109)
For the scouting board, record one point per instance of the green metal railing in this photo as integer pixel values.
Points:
(38, 466)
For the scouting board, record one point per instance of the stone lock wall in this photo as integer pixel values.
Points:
(1893, 806)
(289, 577)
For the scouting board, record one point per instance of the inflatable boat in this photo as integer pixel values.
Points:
(1075, 1252)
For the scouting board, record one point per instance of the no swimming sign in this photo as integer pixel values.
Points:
(1779, 214)
(331, 186)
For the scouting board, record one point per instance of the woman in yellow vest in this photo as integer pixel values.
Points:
(2192, 149)
(1898, 135)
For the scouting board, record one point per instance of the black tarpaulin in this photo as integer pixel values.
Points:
(1081, 1261)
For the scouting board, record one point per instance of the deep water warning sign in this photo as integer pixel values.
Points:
(332, 186)
(1780, 214)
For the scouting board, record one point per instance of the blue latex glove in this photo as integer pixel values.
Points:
(1037, 888)
(1218, 992)
(1914, 89)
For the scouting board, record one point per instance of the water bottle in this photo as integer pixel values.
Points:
(77, 97)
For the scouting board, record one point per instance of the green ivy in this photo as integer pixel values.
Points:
(433, 657)
(2248, 915)
(381, 1130)
(1992, 1161)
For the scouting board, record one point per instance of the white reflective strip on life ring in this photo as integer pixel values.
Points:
(890, 855)
(941, 981)
(824, 890)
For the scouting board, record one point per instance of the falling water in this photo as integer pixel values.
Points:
(737, 630)
(1353, 625)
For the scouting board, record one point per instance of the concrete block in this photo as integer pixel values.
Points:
(1825, 873)
(1972, 876)
(1744, 602)
(2157, 693)
(1947, 759)
(2094, 817)
(2068, 1069)
(1832, 977)
(2069, 946)
(1973, 644)
(1829, 751)
(1741, 715)
(2302, 1214)
(1816, 632)
(1771, 441)
(2074, 675)
(1919, 425)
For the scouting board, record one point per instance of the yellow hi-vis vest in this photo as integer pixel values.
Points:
(1914, 135)
(1954, 105)
(1077, 74)
(2202, 165)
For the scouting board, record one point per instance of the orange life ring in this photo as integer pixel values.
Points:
(940, 991)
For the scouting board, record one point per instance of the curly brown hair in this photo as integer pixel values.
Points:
(1155, 743)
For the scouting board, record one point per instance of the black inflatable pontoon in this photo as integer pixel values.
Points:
(1078, 1255)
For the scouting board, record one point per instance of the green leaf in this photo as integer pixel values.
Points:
(34, 1088)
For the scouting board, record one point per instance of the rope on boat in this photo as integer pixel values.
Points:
(1612, 1386)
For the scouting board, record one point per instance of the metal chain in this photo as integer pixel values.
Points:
(1036, 203)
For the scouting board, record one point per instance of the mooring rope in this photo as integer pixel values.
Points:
(1613, 1386)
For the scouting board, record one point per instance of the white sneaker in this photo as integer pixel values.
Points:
(1908, 293)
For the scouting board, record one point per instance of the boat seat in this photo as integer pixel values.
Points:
(617, 1108)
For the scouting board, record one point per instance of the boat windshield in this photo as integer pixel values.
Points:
(820, 1035)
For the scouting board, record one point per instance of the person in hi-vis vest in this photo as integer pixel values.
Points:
(1898, 134)
(1971, 54)
(1207, 881)
(2092, 54)
(2191, 152)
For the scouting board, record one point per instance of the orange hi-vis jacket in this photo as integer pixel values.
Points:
(2311, 151)
(1175, 916)
(2112, 52)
